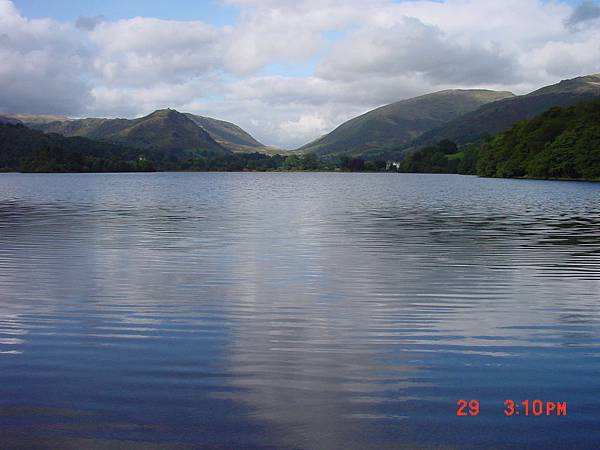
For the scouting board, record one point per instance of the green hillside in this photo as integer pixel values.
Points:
(227, 134)
(27, 150)
(164, 130)
(394, 125)
(24, 149)
(561, 143)
(500, 116)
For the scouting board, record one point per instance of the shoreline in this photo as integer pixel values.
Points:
(585, 180)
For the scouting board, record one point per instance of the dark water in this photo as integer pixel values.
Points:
(318, 311)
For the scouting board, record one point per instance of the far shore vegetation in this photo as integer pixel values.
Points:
(562, 143)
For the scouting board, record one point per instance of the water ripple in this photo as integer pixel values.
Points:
(296, 310)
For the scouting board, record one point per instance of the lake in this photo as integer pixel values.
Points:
(297, 310)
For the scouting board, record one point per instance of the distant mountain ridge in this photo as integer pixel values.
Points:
(226, 133)
(165, 129)
(396, 124)
(24, 149)
(32, 118)
(580, 85)
(462, 116)
(9, 120)
(499, 116)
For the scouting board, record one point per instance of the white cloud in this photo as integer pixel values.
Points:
(410, 47)
(382, 51)
(142, 51)
(308, 124)
(41, 62)
(131, 101)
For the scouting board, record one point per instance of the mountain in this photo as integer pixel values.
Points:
(227, 134)
(499, 116)
(9, 120)
(31, 119)
(394, 125)
(22, 148)
(164, 130)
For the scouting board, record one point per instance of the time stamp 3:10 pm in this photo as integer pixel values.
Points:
(534, 408)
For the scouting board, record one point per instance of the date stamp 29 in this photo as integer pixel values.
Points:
(535, 408)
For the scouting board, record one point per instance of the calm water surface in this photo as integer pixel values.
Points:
(317, 311)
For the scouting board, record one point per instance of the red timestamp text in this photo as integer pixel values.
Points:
(534, 408)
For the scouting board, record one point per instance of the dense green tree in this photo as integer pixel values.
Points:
(560, 143)
(437, 159)
(311, 161)
(352, 164)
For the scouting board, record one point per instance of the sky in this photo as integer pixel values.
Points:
(287, 71)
